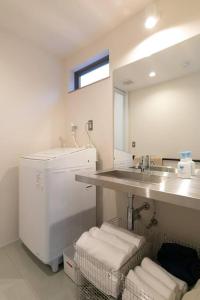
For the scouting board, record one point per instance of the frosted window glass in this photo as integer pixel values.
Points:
(95, 75)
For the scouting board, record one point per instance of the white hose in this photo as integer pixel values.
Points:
(74, 140)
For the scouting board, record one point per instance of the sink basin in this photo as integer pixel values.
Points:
(161, 169)
(130, 175)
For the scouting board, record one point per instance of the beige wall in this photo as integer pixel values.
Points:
(30, 114)
(164, 118)
(129, 42)
(86, 104)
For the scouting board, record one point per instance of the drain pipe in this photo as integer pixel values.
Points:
(130, 212)
(133, 214)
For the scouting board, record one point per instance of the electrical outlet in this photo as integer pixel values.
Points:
(73, 127)
(90, 125)
(133, 144)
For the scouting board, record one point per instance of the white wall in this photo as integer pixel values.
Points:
(164, 118)
(30, 114)
(129, 42)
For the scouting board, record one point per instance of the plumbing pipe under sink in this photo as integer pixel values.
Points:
(132, 213)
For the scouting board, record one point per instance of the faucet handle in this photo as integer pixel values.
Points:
(145, 161)
(141, 161)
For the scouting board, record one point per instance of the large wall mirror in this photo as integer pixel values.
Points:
(157, 104)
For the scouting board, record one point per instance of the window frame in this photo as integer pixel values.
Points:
(87, 69)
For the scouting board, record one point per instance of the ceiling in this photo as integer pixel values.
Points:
(64, 26)
(174, 62)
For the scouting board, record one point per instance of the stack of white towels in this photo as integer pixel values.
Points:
(151, 281)
(101, 253)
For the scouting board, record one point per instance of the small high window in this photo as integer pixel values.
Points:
(92, 73)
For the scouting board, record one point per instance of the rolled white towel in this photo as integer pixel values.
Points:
(183, 287)
(156, 284)
(114, 240)
(109, 255)
(172, 282)
(159, 273)
(136, 286)
(124, 234)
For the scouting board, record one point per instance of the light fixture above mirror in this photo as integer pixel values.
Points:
(152, 16)
(151, 22)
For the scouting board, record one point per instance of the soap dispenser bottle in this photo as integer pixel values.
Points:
(192, 163)
(184, 166)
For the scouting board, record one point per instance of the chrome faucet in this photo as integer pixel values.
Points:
(145, 163)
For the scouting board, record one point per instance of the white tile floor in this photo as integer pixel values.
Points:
(23, 277)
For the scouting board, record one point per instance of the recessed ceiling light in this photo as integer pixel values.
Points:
(151, 22)
(152, 74)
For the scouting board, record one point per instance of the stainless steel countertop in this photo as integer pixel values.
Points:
(171, 189)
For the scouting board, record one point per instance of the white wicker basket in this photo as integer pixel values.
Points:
(88, 289)
(98, 281)
(157, 241)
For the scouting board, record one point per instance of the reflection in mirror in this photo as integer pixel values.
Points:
(157, 106)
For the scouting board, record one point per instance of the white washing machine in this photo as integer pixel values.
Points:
(54, 209)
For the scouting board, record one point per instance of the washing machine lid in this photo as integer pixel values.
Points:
(52, 153)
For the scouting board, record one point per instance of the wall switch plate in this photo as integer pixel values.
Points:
(133, 144)
(73, 127)
(90, 125)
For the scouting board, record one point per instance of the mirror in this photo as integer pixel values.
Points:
(157, 105)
